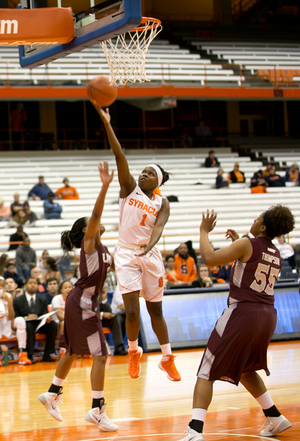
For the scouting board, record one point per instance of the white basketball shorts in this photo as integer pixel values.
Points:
(140, 273)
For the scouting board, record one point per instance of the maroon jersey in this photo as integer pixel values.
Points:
(82, 325)
(254, 280)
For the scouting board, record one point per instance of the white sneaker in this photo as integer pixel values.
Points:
(275, 425)
(50, 401)
(192, 435)
(99, 417)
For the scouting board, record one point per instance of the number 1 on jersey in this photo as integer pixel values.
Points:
(142, 224)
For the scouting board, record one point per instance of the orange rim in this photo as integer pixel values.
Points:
(153, 23)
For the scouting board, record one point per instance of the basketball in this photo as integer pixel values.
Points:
(100, 90)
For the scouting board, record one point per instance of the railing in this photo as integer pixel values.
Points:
(239, 7)
(95, 138)
(166, 248)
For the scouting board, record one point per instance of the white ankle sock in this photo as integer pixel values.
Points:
(166, 349)
(199, 414)
(265, 401)
(57, 381)
(97, 394)
(133, 345)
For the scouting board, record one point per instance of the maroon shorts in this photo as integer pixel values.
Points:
(83, 332)
(239, 342)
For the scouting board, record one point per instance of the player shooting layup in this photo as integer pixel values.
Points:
(138, 263)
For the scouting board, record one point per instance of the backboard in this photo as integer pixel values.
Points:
(93, 23)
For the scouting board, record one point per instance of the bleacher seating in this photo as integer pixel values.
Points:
(274, 62)
(193, 184)
(164, 62)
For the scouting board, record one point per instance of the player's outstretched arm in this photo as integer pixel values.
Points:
(240, 249)
(126, 180)
(93, 225)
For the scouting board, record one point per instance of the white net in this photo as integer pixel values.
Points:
(126, 54)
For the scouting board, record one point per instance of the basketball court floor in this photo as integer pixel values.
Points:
(149, 408)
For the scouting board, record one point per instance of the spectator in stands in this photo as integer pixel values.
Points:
(30, 306)
(51, 270)
(18, 118)
(25, 259)
(52, 285)
(297, 256)
(31, 216)
(11, 272)
(203, 134)
(110, 281)
(20, 218)
(181, 136)
(67, 192)
(42, 263)
(191, 250)
(286, 251)
(258, 183)
(52, 209)
(221, 182)
(4, 258)
(5, 213)
(17, 205)
(40, 191)
(292, 174)
(204, 279)
(171, 279)
(37, 275)
(274, 179)
(185, 267)
(18, 236)
(113, 322)
(236, 175)
(11, 287)
(225, 270)
(269, 167)
(11, 326)
(211, 160)
(215, 273)
(74, 278)
(58, 305)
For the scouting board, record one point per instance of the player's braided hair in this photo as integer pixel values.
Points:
(278, 220)
(166, 175)
(72, 238)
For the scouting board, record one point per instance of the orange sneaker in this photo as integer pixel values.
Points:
(167, 364)
(134, 367)
(23, 359)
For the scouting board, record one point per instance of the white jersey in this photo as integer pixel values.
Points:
(5, 324)
(58, 302)
(138, 215)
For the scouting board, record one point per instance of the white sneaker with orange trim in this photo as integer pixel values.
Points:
(62, 351)
(167, 364)
(23, 359)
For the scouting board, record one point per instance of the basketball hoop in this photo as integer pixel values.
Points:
(126, 54)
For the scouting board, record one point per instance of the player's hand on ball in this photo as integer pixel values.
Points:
(208, 221)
